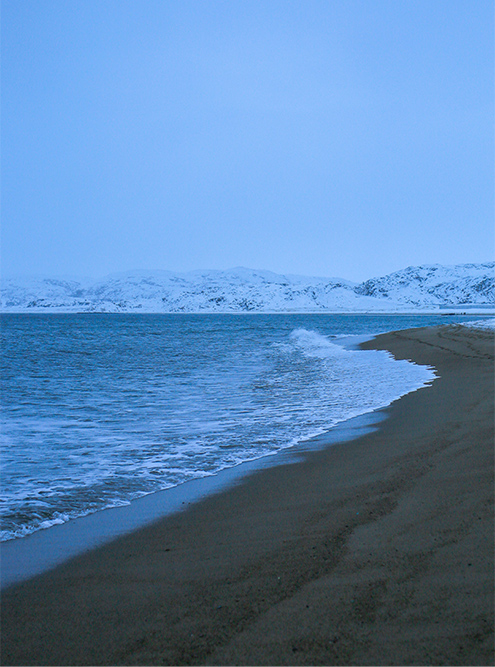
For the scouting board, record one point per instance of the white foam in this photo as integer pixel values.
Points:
(313, 344)
(481, 324)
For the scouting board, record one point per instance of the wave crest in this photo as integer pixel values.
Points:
(313, 344)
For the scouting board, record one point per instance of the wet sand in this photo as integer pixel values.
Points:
(371, 552)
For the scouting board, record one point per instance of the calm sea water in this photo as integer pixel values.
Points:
(100, 409)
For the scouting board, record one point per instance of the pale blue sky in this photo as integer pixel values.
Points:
(324, 137)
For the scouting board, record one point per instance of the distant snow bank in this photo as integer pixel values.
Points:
(429, 287)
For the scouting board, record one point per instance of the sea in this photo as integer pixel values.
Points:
(98, 410)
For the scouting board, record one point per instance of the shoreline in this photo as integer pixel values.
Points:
(43, 550)
(465, 311)
(376, 551)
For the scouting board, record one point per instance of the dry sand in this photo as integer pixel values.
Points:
(378, 551)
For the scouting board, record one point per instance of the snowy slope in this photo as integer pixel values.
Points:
(225, 291)
(247, 290)
(433, 285)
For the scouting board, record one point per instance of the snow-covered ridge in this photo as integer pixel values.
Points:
(434, 284)
(428, 287)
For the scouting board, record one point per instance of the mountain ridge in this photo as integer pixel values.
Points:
(429, 286)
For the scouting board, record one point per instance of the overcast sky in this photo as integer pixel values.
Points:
(342, 138)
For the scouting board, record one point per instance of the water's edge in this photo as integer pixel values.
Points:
(43, 550)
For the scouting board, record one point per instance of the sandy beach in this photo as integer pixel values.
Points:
(378, 551)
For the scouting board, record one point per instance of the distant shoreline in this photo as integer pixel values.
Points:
(466, 310)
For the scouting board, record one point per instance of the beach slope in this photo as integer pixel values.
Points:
(371, 552)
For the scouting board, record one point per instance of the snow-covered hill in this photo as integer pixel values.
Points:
(245, 290)
(436, 285)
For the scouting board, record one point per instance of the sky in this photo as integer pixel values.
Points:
(346, 138)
